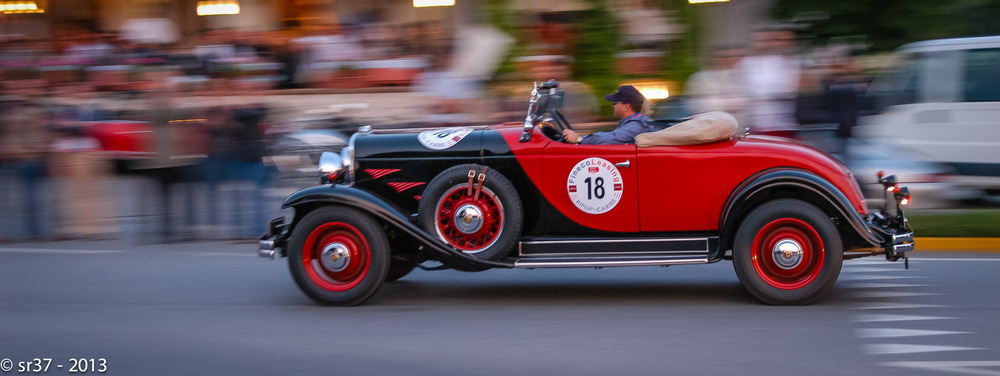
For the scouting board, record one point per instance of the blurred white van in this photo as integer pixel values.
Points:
(942, 101)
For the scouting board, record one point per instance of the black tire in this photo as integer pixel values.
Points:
(399, 268)
(343, 281)
(787, 278)
(498, 206)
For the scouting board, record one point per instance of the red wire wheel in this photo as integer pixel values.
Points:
(336, 257)
(468, 223)
(788, 253)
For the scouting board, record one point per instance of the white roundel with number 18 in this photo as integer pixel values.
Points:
(595, 186)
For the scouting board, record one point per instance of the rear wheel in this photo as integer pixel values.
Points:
(787, 252)
(338, 256)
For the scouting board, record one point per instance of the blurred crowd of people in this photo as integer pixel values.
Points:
(774, 90)
(321, 56)
(198, 172)
(197, 180)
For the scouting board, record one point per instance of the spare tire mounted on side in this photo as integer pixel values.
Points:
(473, 208)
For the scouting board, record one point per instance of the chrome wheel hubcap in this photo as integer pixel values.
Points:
(468, 219)
(787, 254)
(336, 257)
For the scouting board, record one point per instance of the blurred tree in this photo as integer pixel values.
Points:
(682, 55)
(499, 14)
(887, 24)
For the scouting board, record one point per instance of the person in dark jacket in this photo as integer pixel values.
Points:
(236, 155)
(627, 103)
(25, 140)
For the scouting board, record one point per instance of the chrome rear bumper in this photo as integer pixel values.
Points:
(896, 234)
(902, 242)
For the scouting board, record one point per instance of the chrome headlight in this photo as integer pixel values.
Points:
(331, 166)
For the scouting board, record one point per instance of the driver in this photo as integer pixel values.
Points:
(627, 103)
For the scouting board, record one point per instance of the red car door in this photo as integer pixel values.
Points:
(684, 188)
(594, 185)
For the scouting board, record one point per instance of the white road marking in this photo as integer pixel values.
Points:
(890, 294)
(58, 251)
(897, 306)
(866, 269)
(900, 348)
(882, 264)
(872, 285)
(954, 259)
(963, 367)
(870, 262)
(243, 254)
(867, 277)
(889, 318)
(111, 251)
(893, 333)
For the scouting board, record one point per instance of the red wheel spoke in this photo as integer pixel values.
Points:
(472, 235)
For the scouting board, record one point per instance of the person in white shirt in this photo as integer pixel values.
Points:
(719, 88)
(771, 79)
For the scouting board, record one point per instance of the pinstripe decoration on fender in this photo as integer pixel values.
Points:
(378, 173)
(400, 187)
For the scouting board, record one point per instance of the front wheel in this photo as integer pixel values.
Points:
(787, 252)
(338, 256)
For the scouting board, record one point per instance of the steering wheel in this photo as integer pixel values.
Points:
(552, 130)
(553, 127)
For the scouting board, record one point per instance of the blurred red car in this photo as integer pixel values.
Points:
(127, 140)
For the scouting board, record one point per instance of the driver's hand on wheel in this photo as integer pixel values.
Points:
(571, 136)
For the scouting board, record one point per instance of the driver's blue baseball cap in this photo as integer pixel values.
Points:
(627, 94)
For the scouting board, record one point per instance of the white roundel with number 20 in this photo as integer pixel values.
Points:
(594, 185)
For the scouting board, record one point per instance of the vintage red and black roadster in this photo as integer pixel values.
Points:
(515, 196)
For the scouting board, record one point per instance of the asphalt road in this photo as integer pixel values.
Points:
(215, 308)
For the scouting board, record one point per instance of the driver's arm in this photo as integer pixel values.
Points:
(624, 134)
(571, 136)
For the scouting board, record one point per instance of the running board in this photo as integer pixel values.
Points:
(542, 247)
(607, 261)
(604, 252)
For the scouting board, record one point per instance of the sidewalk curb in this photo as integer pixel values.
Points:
(957, 244)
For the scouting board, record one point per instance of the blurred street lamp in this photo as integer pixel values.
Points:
(215, 8)
(653, 90)
(20, 7)
(433, 3)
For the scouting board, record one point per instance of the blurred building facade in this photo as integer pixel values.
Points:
(726, 23)
(254, 15)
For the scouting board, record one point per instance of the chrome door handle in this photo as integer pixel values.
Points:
(625, 164)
